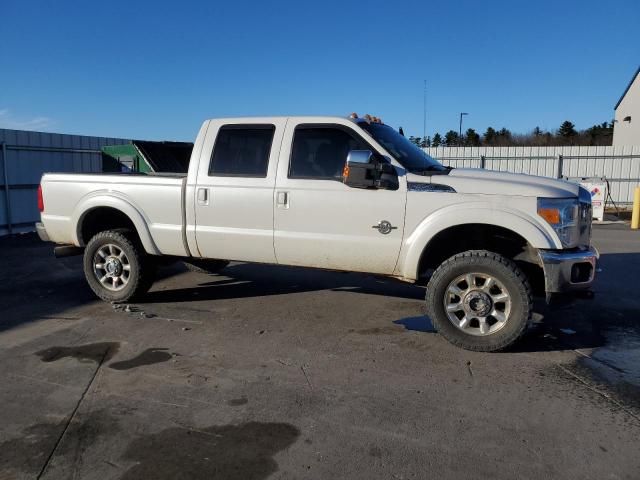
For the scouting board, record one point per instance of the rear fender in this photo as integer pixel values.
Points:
(118, 202)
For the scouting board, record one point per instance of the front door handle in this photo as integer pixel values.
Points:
(203, 196)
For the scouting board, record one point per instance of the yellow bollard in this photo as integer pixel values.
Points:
(635, 215)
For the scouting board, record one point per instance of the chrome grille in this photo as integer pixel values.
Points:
(585, 217)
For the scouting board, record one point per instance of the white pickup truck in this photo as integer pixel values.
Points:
(334, 193)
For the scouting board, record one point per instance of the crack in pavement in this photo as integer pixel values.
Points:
(584, 382)
(73, 414)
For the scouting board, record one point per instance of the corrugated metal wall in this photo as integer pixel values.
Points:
(25, 156)
(620, 164)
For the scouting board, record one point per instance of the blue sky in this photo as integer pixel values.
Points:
(155, 70)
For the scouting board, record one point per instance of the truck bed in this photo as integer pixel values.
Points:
(157, 198)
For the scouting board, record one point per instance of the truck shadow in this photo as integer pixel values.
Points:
(420, 323)
(248, 280)
(582, 324)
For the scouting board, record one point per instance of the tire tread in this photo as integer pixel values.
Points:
(476, 257)
(146, 268)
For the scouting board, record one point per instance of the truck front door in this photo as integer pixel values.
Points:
(321, 222)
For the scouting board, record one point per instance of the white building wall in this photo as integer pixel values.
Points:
(628, 132)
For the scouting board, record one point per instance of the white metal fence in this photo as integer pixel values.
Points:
(620, 165)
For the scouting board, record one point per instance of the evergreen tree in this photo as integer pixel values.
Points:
(489, 136)
(599, 134)
(426, 142)
(437, 140)
(451, 138)
(415, 140)
(471, 138)
(567, 130)
(504, 137)
(504, 133)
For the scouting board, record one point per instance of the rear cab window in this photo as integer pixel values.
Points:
(242, 151)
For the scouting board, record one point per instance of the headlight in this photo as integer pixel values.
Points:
(562, 215)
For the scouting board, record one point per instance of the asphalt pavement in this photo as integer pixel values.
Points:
(273, 372)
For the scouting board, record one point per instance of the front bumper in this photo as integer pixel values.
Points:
(42, 232)
(567, 271)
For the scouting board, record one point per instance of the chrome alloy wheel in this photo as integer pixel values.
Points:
(111, 267)
(477, 304)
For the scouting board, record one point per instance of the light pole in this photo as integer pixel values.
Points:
(460, 128)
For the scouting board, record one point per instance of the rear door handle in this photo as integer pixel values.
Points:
(282, 199)
(203, 196)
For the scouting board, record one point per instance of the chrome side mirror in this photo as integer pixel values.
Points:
(359, 169)
(359, 157)
(363, 170)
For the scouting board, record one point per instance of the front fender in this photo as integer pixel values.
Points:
(104, 198)
(536, 232)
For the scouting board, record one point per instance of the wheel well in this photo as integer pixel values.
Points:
(478, 236)
(104, 218)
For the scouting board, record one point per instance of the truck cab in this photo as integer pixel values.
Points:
(272, 191)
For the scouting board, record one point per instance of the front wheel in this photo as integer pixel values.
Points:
(479, 300)
(117, 267)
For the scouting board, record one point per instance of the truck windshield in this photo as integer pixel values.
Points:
(409, 155)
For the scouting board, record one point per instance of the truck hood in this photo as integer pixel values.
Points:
(489, 182)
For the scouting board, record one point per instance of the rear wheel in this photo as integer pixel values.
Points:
(205, 265)
(116, 266)
(479, 300)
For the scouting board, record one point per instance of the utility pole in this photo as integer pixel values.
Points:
(460, 128)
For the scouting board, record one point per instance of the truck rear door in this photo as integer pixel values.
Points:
(321, 222)
(234, 190)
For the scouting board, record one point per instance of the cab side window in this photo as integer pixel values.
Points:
(320, 152)
(242, 151)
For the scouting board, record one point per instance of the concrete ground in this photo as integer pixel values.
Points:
(272, 372)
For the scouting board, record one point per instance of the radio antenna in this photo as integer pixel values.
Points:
(424, 116)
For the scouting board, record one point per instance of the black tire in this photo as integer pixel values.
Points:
(141, 271)
(482, 263)
(205, 265)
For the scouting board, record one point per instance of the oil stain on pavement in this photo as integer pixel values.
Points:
(228, 451)
(25, 456)
(148, 357)
(28, 453)
(91, 352)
